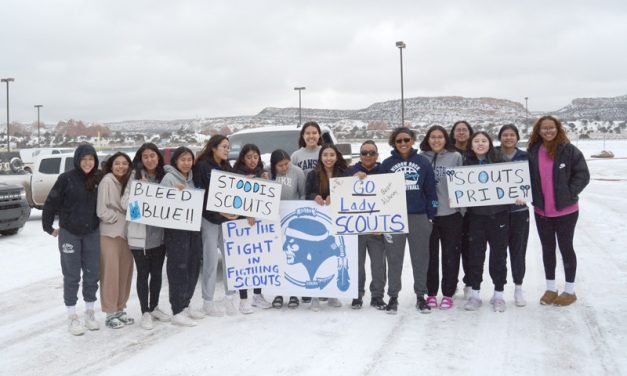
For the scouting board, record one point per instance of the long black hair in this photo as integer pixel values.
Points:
(240, 163)
(108, 167)
(177, 154)
(338, 169)
(491, 156)
(276, 157)
(448, 145)
(138, 164)
(452, 134)
(301, 138)
(206, 154)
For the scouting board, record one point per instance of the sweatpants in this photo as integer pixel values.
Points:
(447, 229)
(183, 249)
(116, 273)
(374, 245)
(149, 265)
(211, 241)
(79, 253)
(564, 229)
(418, 238)
(492, 230)
(517, 243)
(465, 250)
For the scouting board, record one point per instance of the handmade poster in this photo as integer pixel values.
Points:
(237, 194)
(375, 204)
(491, 184)
(168, 207)
(252, 254)
(315, 262)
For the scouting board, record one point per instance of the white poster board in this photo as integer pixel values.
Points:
(252, 254)
(236, 194)
(491, 184)
(167, 207)
(315, 262)
(375, 204)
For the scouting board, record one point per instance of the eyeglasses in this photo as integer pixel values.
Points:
(370, 153)
(403, 140)
(546, 130)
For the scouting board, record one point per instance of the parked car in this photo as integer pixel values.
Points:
(14, 209)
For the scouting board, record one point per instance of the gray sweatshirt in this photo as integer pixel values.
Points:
(306, 159)
(293, 183)
(440, 163)
(174, 176)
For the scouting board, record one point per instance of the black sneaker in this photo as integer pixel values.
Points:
(357, 303)
(422, 305)
(392, 306)
(305, 299)
(377, 303)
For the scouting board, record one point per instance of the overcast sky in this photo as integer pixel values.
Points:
(135, 59)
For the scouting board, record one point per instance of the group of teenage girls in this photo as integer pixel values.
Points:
(96, 240)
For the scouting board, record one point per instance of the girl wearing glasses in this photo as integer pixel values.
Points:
(422, 202)
(559, 173)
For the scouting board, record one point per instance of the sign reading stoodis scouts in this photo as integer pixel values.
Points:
(375, 204)
(237, 194)
(491, 184)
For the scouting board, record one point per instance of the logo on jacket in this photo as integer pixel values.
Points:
(412, 174)
(308, 242)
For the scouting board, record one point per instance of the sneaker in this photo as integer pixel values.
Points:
(306, 299)
(245, 307)
(422, 305)
(75, 326)
(473, 304)
(334, 302)
(548, 298)
(146, 321)
(323, 299)
(519, 299)
(467, 292)
(446, 303)
(229, 306)
(293, 303)
(182, 319)
(160, 315)
(113, 321)
(392, 306)
(277, 302)
(357, 304)
(193, 314)
(260, 302)
(126, 319)
(498, 305)
(315, 305)
(565, 299)
(90, 320)
(432, 301)
(378, 303)
(212, 309)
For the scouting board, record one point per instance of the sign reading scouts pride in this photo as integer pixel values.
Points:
(315, 262)
(375, 204)
(237, 194)
(168, 207)
(492, 184)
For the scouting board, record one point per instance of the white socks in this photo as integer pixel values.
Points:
(89, 306)
(475, 294)
(498, 295)
(71, 310)
(569, 288)
(550, 285)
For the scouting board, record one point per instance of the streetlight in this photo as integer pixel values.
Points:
(526, 111)
(401, 45)
(300, 88)
(7, 80)
(38, 106)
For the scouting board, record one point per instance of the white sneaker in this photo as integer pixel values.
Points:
(335, 302)
(160, 315)
(498, 305)
(315, 304)
(519, 298)
(260, 302)
(90, 320)
(229, 306)
(146, 321)
(212, 309)
(182, 319)
(244, 307)
(193, 314)
(473, 304)
(75, 326)
(467, 292)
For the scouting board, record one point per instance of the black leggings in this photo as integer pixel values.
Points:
(243, 294)
(518, 236)
(447, 229)
(562, 228)
(149, 265)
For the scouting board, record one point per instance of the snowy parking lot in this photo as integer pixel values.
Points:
(587, 338)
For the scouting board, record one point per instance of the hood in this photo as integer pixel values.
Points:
(80, 152)
(177, 174)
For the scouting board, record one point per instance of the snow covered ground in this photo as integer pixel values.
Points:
(587, 338)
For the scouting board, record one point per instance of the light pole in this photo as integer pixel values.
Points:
(401, 45)
(38, 106)
(526, 109)
(7, 80)
(300, 118)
